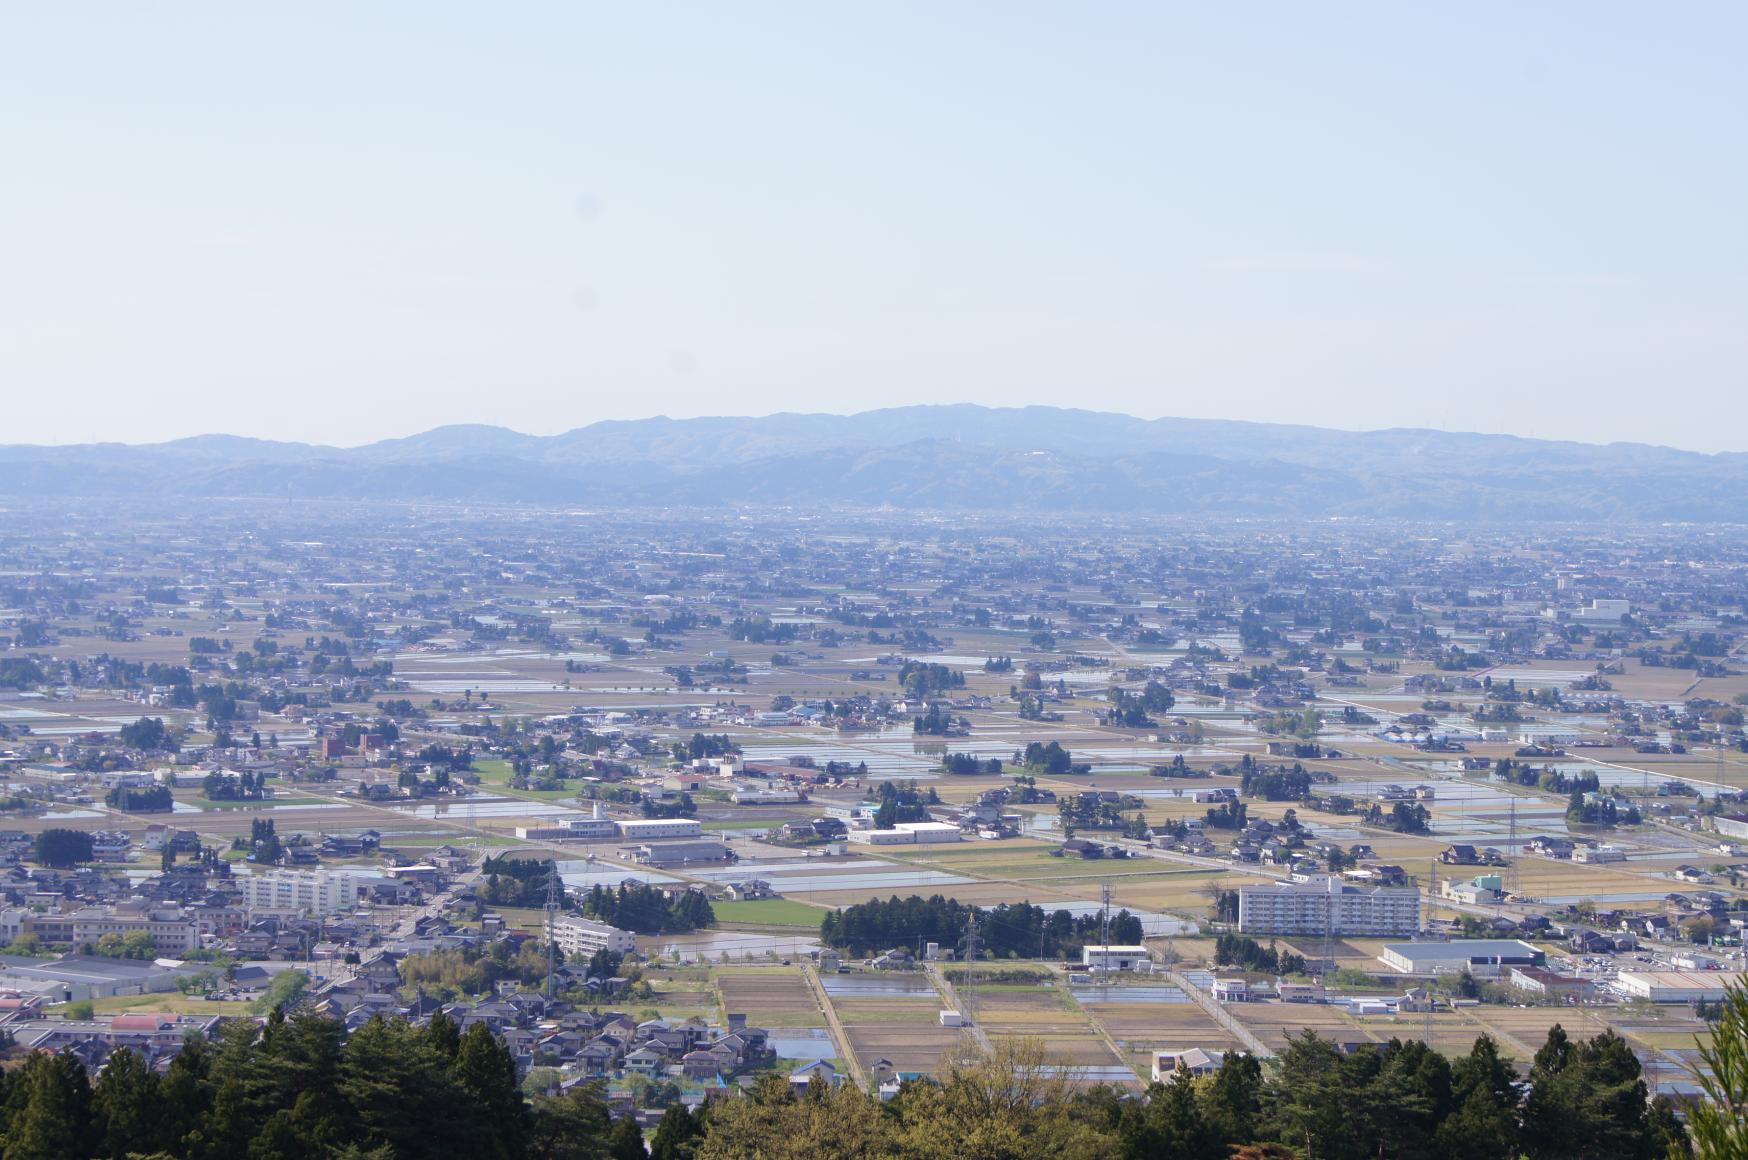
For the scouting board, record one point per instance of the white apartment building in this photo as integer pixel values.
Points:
(579, 938)
(1323, 904)
(314, 891)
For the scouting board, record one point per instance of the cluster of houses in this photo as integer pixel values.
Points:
(583, 1042)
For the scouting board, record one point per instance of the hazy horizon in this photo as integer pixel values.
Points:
(342, 224)
(351, 444)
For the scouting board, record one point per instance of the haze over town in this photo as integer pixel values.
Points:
(895, 582)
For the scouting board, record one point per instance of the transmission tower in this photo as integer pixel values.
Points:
(1513, 854)
(968, 999)
(1105, 932)
(554, 897)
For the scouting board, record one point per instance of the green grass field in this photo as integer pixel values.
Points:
(206, 803)
(495, 774)
(768, 912)
(173, 1002)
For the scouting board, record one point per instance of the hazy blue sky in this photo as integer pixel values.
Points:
(347, 221)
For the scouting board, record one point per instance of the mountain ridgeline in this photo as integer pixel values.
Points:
(958, 457)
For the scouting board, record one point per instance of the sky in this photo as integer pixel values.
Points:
(345, 222)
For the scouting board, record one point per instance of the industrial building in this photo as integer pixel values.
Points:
(1478, 956)
(1116, 958)
(681, 853)
(1322, 904)
(577, 830)
(71, 978)
(656, 829)
(908, 834)
(1673, 986)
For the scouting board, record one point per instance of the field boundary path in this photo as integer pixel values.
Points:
(950, 996)
(846, 1049)
(1220, 1015)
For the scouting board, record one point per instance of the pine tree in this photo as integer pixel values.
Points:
(485, 1069)
(678, 1135)
(625, 1140)
(125, 1104)
(55, 1121)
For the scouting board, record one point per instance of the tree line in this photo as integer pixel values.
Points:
(646, 909)
(300, 1086)
(1010, 931)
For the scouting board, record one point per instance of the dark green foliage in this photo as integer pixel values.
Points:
(507, 881)
(49, 1106)
(647, 910)
(1275, 784)
(1048, 758)
(921, 678)
(1587, 1099)
(1237, 950)
(20, 673)
(298, 1088)
(125, 1102)
(146, 733)
(140, 799)
(902, 804)
(678, 1135)
(62, 847)
(1016, 930)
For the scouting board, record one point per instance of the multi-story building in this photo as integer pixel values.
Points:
(582, 937)
(313, 891)
(171, 930)
(1322, 904)
(576, 830)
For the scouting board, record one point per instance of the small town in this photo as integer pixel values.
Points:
(781, 581)
(737, 812)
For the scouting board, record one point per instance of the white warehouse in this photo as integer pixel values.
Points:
(655, 829)
(908, 833)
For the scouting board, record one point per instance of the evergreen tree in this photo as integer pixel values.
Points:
(625, 1140)
(574, 1125)
(125, 1105)
(484, 1069)
(1171, 1123)
(1586, 1100)
(55, 1120)
(1232, 1098)
(1483, 1123)
(678, 1135)
(185, 1096)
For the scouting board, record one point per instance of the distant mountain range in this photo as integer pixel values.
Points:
(937, 457)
